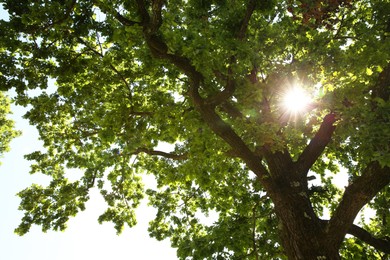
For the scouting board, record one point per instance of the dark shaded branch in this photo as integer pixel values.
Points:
(143, 12)
(317, 145)
(362, 234)
(123, 20)
(225, 94)
(373, 179)
(382, 89)
(224, 131)
(252, 77)
(245, 22)
(219, 75)
(156, 17)
(172, 156)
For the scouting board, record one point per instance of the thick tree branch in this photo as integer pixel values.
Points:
(150, 27)
(280, 163)
(123, 20)
(155, 42)
(143, 12)
(379, 244)
(225, 94)
(151, 23)
(156, 17)
(223, 130)
(382, 89)
(245, 22)
(373, 179)
(317, 145)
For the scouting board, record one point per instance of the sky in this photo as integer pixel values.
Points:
(84, 238)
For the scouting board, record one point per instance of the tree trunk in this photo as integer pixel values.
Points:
(304, 240)
(303, 234)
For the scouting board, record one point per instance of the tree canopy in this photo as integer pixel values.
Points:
(207, 80)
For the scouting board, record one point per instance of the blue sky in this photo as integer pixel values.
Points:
(84, 237)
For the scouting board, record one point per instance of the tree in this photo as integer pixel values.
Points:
(208, 78)
(7, 131)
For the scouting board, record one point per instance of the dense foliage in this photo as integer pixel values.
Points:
(7, 131)
(191, 92)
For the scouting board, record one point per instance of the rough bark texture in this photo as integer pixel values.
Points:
(303, 235)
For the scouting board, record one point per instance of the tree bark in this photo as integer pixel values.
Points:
(303, 235)
(305, 239)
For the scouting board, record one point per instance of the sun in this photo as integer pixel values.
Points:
(296, 100)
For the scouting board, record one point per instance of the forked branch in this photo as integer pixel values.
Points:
(159, 49)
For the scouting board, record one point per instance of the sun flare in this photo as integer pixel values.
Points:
(296, 100)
